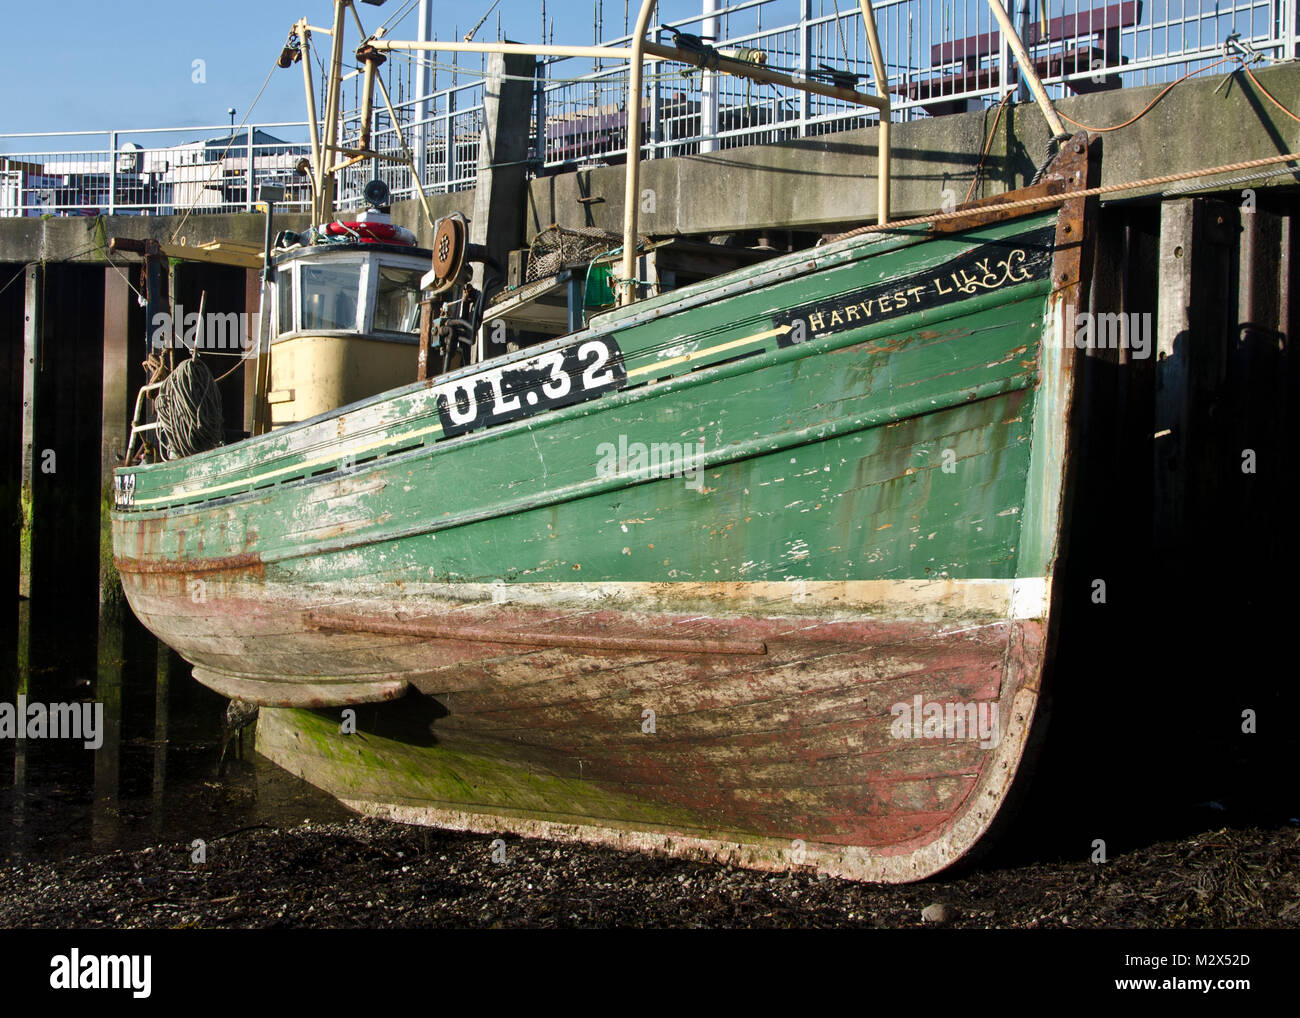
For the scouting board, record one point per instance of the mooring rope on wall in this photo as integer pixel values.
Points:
(1057, 199)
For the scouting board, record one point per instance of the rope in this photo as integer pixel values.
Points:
(1147, 109)
(189, 410)
(1267, 92)
(1053, 146)
(1217, 184)
(1057, 199)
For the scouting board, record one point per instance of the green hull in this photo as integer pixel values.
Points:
(767, 511)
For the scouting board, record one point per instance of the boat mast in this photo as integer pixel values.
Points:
(323, 206)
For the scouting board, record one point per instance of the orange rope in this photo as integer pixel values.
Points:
(1268, 93)
(1147, 109)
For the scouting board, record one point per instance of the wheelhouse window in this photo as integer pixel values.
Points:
(284, 299)
(397, 300)
(329, 295)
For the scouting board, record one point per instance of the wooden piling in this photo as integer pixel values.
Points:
(497, 222)
(115, 409)
(33, 329)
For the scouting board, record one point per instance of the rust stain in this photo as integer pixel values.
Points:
(249, 561)
(429, 629)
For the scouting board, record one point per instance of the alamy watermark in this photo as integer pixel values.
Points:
(81, 721)
(214, 330)
(77, 971)
(658, 459)
(1104, 330)
(949, 720)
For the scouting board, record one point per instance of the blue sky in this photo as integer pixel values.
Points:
(96, 66)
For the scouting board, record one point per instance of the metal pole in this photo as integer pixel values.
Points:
(757, 72)
(528, 49)
(261, 408)
(539, 103)
(304, 37)
(709, 85)
(248, 203)
(423, 88)
(632, 179)
(325, 195)
(881, 73)
(805, 64)
(112, 172)
(1027, 72)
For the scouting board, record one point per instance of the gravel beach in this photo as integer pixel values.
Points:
(362, 873)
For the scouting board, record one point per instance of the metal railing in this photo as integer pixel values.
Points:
(150, 171)
(943, 56)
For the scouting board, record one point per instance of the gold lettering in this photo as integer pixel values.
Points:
(940, 287)
(836, 319)
(883, 306)
(852, 313)
(815, 321)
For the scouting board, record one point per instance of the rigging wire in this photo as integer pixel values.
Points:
(988, 143)
(222, 158)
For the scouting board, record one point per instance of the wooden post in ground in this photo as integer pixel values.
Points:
(115, 410)
(252, 304)
(33, 327)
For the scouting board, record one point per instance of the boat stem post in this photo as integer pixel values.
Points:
(1027, 68)
(632, 179)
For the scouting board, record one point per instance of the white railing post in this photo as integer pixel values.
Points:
(1004, 63)
(709, 83)
(112, 172)
(451, 140)
(657, 149)
(539, 111)
(248, 199)
(423, 89)
(805, 63)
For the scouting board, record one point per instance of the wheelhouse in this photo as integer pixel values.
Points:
(345, 325)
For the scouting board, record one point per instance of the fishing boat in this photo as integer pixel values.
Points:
(760, 569)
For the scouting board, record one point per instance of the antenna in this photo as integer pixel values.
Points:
(473, 31)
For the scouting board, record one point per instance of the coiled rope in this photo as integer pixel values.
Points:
(188, 407)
